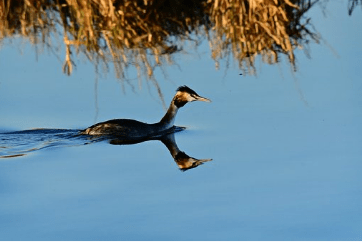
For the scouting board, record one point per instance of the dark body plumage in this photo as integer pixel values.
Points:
(122, 127)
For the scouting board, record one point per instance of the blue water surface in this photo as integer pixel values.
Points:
(286, 149)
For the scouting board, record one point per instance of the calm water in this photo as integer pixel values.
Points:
(286, 150)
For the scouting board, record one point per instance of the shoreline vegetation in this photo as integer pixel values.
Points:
(145, 34)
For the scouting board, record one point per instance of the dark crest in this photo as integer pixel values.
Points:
(186, 89)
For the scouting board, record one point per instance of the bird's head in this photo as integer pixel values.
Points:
(185, 94)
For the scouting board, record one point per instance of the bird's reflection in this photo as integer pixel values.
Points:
(184, 161)
(20, 143)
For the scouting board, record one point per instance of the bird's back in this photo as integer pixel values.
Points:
(120, 127)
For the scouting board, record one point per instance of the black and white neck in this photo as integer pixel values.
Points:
(183, 95)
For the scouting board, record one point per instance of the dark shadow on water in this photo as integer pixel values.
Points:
(20, 143)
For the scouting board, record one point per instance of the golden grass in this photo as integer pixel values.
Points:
(246, 29)
(145, 33)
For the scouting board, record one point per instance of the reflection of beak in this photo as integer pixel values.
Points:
(203, 99)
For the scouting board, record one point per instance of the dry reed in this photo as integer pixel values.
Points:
(145, 33)
(246, 29)
(352, 4)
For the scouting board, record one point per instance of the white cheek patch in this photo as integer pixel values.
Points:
(186, 97)
(189, 98)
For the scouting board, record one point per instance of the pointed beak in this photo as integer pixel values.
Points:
(203, 99)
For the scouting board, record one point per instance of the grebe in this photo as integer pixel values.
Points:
(134, 129)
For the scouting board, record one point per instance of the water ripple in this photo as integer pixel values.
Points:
(19, 143)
